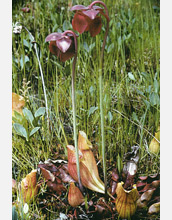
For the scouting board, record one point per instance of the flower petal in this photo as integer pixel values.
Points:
(66, 56)
(95, 7)
(53, 37)
(64, 43)
(91, 13)
(80, 23)
(54, 49)
(78, 7)
(95, 26)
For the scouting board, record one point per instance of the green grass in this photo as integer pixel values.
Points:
(131, 83)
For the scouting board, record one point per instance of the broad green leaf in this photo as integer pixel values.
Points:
(23, 61)
(154, 99)
(91, 90)
(40, 112)
(146, 103)
(131, 76)
(110, 117)
(14, 119)
(134, 116)
(17, 115)
(91, 46)
(110, 48)
(119, 42)
(156, 86)
(28, 115)
(119, 164)
(66, 25)
(59, 30)
(55, 27)
(14, 213)
(34, 131)
(26, 43)
(139, 92)
(86, 46)
(20, 130)
(92, 110)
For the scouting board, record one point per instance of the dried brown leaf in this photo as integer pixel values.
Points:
(154, 208)
(146, 196)
(47, 174)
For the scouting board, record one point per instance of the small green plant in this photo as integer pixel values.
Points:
(28, 124)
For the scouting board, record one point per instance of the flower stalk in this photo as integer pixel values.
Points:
(40, 68)
(74, 109)
(64, 46)
(101, 61)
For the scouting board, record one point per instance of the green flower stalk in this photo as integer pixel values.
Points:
(64, 46)
(88, 19)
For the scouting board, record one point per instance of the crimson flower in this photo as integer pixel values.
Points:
(87, 19)
(62, 45)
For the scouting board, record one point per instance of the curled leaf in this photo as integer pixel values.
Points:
(18, 103)
(75, 196)
(154, 146)
(29, 187)
(146, 196)
(51, 174)
(126, 201)
(154, 208)
(47, 174)
(88, 167)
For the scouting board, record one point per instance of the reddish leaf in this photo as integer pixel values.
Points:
(75, 196)
(55, 187)
(47, 174)
(65, 177)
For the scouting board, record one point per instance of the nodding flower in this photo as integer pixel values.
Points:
(88, 19)
(62, 45)
(88, 167)
(25, 10)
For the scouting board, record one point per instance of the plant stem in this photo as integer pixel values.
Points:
(40, 68)
(101, 92)
(74, 110)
